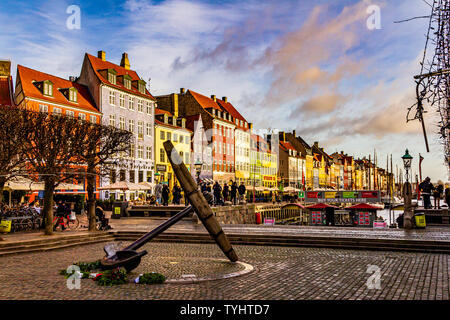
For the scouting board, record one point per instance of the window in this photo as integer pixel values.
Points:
(175, 137)
(43, 108)
(169, 136)
(57, 111)
(48, 88)
(140, 152)
(111, 77)
(122, 123)
(132, 176)
(127, 83)
(131, 125)
(149, 153)
(112, 98)
(93, 119)
(122, 175)
(132, 151)
(140, 128)
(162, 155)
(162, 135)
(73, 94)
(149, 129)
(141, 87)
(81, 116)
(140, 106)
(70, 113)
(181, 138)
(112, 120)
(149, 107)
(130, 103)
(121, 100)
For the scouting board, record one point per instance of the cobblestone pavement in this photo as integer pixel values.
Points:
(280, 273)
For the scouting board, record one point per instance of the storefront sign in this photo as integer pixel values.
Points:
(343, 196)
(270, 222)
(330, 195)
(161, 167)
(349, 194)
(312, 195)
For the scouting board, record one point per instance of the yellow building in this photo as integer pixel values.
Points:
(173, 128)
(309, 172)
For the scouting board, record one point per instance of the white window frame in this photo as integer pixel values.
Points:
(112, 98)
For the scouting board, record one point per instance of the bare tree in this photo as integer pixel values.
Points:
(13, 137)
(104, 147)
(53, 146)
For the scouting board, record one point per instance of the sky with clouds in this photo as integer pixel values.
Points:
(310, 66)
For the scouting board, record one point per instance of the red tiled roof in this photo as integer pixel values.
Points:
(208, 103)
(161, 111)
(98, 64)
(6, 93)
(286, 145)
(321, 206)
(27, 76)
(234, 113)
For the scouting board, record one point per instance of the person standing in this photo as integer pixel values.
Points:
(447, 196)
(176, 191)
(234, 191)
(158, 193)
(426, 187)
(438, 194)
(165, 195)
(225, 192)
(241, 190)
(217, 193)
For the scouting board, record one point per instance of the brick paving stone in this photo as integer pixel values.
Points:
(280, 273)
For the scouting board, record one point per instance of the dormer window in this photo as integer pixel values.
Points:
(73, 95)
(48, 88)
(166, 119)
(126, 80)
(183, 123)
(112, 75)
(140, 85)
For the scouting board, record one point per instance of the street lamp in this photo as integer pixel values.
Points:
(198, 169)
(407, 159)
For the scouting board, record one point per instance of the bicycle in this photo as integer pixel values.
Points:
(65, 221)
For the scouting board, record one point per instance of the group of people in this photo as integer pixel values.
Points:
(162, 194)
(228, 193)
(438, 192)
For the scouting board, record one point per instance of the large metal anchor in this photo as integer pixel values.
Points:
(129, 258)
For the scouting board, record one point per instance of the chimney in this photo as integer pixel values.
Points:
(72, 78)
(283, 136)
(316, 144)
(224, 99)
(101, 55)
(213, 97)
(5, 68)
(250, 126)
(125, 63)
(293, 132)
(175, 105)
(182, 90)
(342, 152)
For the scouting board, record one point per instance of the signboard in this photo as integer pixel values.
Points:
(301, 194)
(269, 222)
(343, 196)
(379, 225)
(161, 167)
(330, 195)
(117, 210)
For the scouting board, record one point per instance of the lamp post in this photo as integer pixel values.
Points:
(407, 192)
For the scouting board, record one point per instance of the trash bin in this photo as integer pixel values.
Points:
(5, 226)
(258, 218)
(117, 210)
(420, 220)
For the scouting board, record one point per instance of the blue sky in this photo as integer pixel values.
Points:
(312, 66)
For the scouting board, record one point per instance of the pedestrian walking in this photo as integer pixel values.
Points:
(241, 191)
(217, 193)
(426, 188)
(234, 191)
(438, 194)
(165, 195)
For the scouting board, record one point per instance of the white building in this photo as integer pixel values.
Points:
(123, 99)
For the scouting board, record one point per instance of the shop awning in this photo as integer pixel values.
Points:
(363, 206)
(321, 206)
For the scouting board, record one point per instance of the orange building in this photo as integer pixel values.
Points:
(39, 91)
